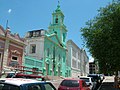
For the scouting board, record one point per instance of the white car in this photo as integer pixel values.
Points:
(89, 81)
(24, 84)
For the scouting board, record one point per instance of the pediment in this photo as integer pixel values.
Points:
(55, 39)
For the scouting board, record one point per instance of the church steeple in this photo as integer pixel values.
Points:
(57, 26)
(58, 6)
(58, 16)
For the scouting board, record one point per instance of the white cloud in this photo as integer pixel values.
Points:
(9, 11)
(91, 59)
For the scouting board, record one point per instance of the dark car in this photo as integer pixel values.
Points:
(73, 84)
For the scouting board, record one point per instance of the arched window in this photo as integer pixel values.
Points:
(56, 20)
(63, 37)
(48, 52)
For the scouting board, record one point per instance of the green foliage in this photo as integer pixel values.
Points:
(102, 37)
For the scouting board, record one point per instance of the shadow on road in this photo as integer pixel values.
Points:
(107, 86)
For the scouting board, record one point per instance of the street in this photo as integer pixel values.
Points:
(56, 83)
(107, 84)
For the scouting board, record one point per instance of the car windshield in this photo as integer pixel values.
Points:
(38, 86)
(85, 79)
(48, 87)
(4, 86)
(70, 83)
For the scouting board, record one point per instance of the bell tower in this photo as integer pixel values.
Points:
(57, 26)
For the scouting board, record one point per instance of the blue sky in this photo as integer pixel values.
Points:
(27, 15)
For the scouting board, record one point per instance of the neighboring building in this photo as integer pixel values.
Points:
(11, 49)
(93, 67)
(77, 60)
(49, 47)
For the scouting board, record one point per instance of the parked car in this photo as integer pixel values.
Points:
(102, 76)
(73, 84)
(22, 75)
(96, 77)
(24, 84)
(90, 82)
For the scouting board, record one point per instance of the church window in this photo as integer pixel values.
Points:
(63, 37)
(63, 59)
(56, 20)
(55, 32)
(32, 48)
(59, 57)
(53, 52)
(48, 52)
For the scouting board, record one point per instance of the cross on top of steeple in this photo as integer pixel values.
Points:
(58, 6)
(58, 3)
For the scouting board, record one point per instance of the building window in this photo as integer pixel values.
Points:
(48, 52)
(74, 63)
(59, 57)
(30, 34)
(63, 37)
(63, 59)
(53, 52)
(14, 58)
(73, 53)
(32, 48)
(56, 20)
(78, 55)
(34, 34)
(78, 65)
(37, 33)
(0, 57)
(14, 61)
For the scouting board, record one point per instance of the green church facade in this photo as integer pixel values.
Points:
(48, 47)
(55, 58)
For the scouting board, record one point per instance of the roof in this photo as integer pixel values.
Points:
(20, 80)
(73, 79)
(29, 75)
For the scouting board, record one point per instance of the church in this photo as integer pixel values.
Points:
(46, 49)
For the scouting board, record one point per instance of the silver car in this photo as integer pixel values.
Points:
(89, 81)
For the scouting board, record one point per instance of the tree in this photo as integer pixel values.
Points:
(102, 37)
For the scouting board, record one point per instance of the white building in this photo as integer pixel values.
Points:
(77, 59)
(85, 63)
